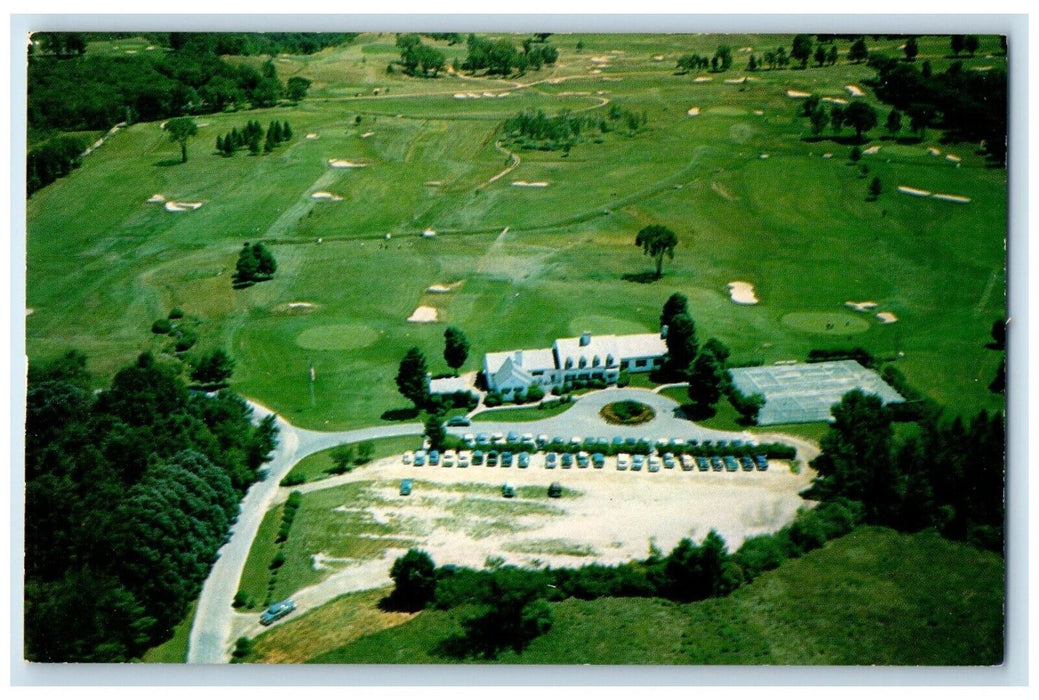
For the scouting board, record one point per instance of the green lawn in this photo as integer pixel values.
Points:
(175, 649)
(315, 467)
(874, 597)
(520, 414)
(795, 224)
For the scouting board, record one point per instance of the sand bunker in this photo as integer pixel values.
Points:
(905, 189)
(156, 199)
(854, 91)
(797, 94)
(594, 72)
(735, 81)
(433, 183)
(934, 151)
(871, 150)
(702, 79)
(834, 100)
(763, 156)
(367, 134)
(524, 183)
(886, 317)
(311, 137)
(861, 305)
(742, 293)
(340, 163)
(295, 307)
(693, 111)
(182, 206)
(951, 198)
(952, 159)
(423, 314)
(827, 156)
(327, 196)
(443, 288)
(759, 112)
(658, 57)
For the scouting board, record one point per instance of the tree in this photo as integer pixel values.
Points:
(801, 49)
(180, 130)
(296, 88)
(820, 55)
(435, 431)
(705, 380)
(837, 113)
(412, 379)
(342, 459)
(213, 368)
(456, 348)
(911, 49)
(858, 52)
(971, 44)
(512, 614)
(676, 304)
(831, 56)
(724, 56)
(580, 46)
(770, 59)
(681, 343)
(956, 44)
(875, 188)
(819, 119)
(860, 116)
(894, 122)
(781, 57)
(752, 63)
(657, 241)
(247, 267)
(999, 334)
(414, 578)
(855, 155)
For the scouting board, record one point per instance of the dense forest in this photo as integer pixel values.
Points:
(129, 493)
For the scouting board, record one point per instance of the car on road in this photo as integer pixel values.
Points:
(623, 462)
(407, 457)
(567, 460)
(276, 612)
(458, 422)
(420, 458)
(551, 460)
(524, 460)
(405, 487)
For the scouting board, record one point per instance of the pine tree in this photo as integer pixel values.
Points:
(286, 131)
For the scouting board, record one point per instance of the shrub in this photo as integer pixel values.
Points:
(243, 600)
(414, 577)
(185, 340)
(162, 326)
(343, 460)
(293, 478)
(492, 399)
(176, 313)
(278, 560)
(365, 451)
(535, 393)
(243, 647)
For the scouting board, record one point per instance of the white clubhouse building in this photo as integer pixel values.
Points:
(586, 357)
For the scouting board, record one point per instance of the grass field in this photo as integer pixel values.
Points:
(795, 224)
(314, 467)
(874, 597)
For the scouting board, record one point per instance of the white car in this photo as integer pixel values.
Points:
(654, 463)
(449, 458)
(498, 438)
(469, 439)
(623, 462)
(407, 457)
(463, 459)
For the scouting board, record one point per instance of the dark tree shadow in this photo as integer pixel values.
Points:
(398, 414)
(640, 277)
(169, 162)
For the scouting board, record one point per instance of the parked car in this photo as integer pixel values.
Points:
(463, 459)
(512, 437)
(598, 460)
(449, 458)
(276, 612)
(483, 439)
(555, 490)
(731, 464)
(527, 438)
(688, 464)
(470, 440)
(623, 462)
(747, 463)
(420, 458)
(669, 461)
(478, 457)
(508, 491)
(506, 459)
(497, 438)
(703, 464)
(636, 462)
(405, 487)
(567, 460)
(654, 463)
(434, 458)
(542, 441)
(618, 442)
(458, 421)
(551, 460)
(492, 459)
(716, 463)
(524, 460)
(761, 462)
(407, 457)
(582, 460)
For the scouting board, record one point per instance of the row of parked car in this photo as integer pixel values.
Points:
(514, 442)
(582, 460)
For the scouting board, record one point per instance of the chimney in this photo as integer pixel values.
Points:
(586, 338)
(517, 358)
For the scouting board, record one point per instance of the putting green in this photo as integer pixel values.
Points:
(605, 325)
(347, 336)
(826, 323)
(726, 111)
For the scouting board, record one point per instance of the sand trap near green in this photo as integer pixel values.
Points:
(347, 336)
(605, 325)
(825, 323)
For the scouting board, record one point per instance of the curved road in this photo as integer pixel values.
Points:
(210, 640)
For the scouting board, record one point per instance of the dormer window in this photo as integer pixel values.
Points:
(595, 361)
(609, 360)
(569, 362)
(582, 363)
